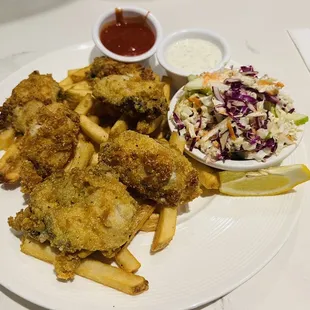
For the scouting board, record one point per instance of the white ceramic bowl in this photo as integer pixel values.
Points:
(232, 165)
(109, 16)
(178, 76)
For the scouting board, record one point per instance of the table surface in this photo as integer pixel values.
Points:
(257, 33)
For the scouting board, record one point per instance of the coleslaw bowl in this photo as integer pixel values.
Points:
(229, 164)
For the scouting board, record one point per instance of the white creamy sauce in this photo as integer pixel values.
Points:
(194, 55)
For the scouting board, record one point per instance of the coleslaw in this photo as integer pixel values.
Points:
(234, 114)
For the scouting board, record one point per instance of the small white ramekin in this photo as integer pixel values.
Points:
(109, 16)
(178, 76)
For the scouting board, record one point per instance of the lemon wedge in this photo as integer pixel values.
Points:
(265, 182)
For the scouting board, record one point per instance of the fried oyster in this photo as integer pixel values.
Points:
(151, 169)
(84, 210)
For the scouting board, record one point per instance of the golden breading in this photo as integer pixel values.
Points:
(104, 66)
(65, 265)
(153, 170)
(36, 87)
(48, 144)
(24, 115)
(85, 209)
(136, 99)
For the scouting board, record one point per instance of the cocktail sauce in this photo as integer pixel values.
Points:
(130, 36)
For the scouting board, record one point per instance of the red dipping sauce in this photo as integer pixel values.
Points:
(127, 37)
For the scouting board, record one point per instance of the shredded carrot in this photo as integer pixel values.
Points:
(280, 84)
(216, 144)
(231, 130)
(264, 82)
(268, 82)
(196, 101)
(210, 76)
(290, 138)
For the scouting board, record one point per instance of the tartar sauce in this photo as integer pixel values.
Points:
(193, 55)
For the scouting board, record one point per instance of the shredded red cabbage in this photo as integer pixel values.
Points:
(272, 99)
(199, 123)
(244, 110)
(271, 143)
(178, 121)
(238, 123)
(231, 80)
(248, 70)
(192, 145)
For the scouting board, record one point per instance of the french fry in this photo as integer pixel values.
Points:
(85, 105)
(119, 126)
(94, 159)
(79, 74)
(83, 85)
(71, 71)
(151, 223)
(163, 142)
(106, 128)
(126, 261)
(76, 95)
(167, 87)
(162, 130)
(92, 130)
(113, 277)
(94, 270)
(165, 229)
(83, 154)
(147, 128)
(84, 253)
(66, 83)
(208, 177)
(95, 119)
(6, 138)
(10, 164)
(177, 142)
(41, 251)
(144, 213)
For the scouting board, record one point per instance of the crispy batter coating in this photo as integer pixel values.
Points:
(137, 99)
(82, 210)
(36, 87)
(65, 265)
(48, 144)
(152, 169)
(104, 66)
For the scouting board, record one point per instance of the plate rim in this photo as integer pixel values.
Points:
(199, 303)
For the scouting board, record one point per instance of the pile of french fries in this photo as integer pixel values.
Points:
(95, 131)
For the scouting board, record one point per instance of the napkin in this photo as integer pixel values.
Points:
(301, 39)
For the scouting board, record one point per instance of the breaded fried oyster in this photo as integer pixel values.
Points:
(48, 144)
(137, 99)
(104, 66)
(151, 169)
(38, 89)
(84, 210)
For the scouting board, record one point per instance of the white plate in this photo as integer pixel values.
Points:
(233, 165)
(220, 241)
